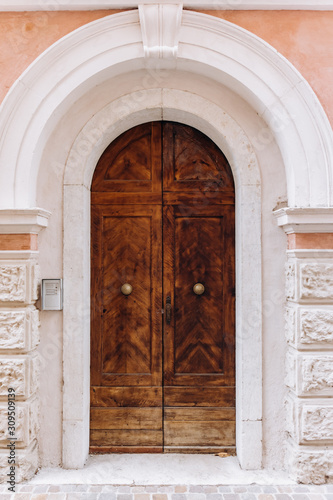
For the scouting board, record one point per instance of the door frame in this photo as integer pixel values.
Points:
(102, 129)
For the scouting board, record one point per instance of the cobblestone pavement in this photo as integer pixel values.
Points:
(178, 492)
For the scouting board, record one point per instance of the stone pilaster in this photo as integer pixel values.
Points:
(19, 337)
(309, 336)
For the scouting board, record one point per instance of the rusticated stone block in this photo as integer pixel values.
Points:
(12, 329)
(316, 281)
(26, 425)
(310, 466)
(316, 325)
(21, 423)
(19, 281)
(19, 328)
(13, 282)
(316, 423)
(290, 280)
(317, 375)
(19, 373)
(13, 374)
(26, 463)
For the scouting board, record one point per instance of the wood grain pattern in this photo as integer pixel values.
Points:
(162, 200)
(223, 397)
(110, 397)
(192, 433)
(126, 437)
(192, 162)
(224, 451)
(103, 450)
(132, 163)
(199, 414)
(126, 418)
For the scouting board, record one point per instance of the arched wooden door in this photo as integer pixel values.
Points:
(163, 345)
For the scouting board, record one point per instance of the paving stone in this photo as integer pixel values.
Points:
(266, 496)
(25, 488)
(214, 496)
(124, 489)
(231, 496)
(224, 489)
(300, 496)
(254, 488)
(160, 496)
(196, 489)
(80, 487)
(317, 496)
(180, 488)
(73, 496)
(18, 496)
(96, 488)
(56, 496)
(141, 496)
(138, 489)
(41, 488)
(124, 496)
(249, 496)
(108, 488)
(107, 496)
(285, 488)
(151, 489)
(53, 488)
(210, 489)
(268, 489)
(84, 495)
(301, 488)
(282, 496)
(38, 496)
(179, 496)
(196, 496)
(239, 489)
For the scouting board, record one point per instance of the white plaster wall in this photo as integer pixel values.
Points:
(274, 244)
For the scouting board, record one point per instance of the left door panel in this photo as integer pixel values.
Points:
(126, 343)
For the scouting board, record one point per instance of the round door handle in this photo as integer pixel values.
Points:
(198, 289)
(126, 289)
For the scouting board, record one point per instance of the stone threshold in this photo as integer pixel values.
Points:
(160, 469)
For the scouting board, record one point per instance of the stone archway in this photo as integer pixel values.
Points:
(89, 56)
(78, 174)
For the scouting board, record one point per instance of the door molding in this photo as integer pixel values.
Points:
(110, 122)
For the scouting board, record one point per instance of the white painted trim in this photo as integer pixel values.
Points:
(208, 46)
(160, 25)
(305, 220)
(14, 221)
(102, 128)
(52, 5)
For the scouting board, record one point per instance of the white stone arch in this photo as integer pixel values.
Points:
(228, 53)
(202, 45)
(88, 146)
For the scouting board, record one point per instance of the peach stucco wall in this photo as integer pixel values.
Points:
(303, 37)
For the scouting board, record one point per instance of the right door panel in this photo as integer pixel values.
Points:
(199, 376)
(198, 249)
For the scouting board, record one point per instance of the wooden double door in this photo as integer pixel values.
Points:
(162, 294)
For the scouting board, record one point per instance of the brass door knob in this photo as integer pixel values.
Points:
(126, 289)
(198, 289)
